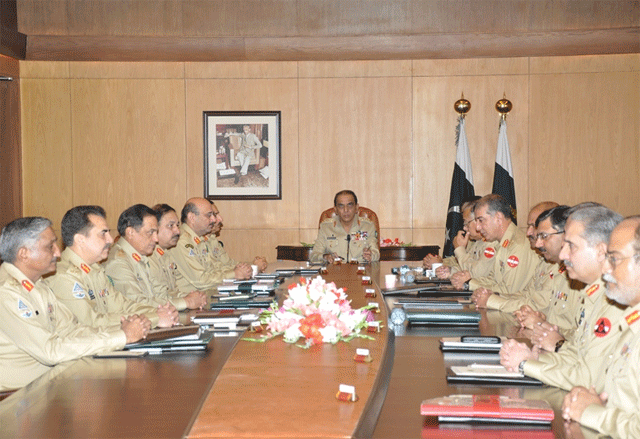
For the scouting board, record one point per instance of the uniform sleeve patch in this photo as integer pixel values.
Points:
(513, 261)
(78, 292)
(603, 326)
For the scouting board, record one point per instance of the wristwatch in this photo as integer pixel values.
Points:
(559, 344)
(521, 366)
(466, 286)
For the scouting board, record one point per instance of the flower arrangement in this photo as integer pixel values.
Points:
(316, 311)
(388, 242)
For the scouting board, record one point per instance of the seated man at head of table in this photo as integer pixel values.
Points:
(614, 412)
(162, 267)
(221, 258)
(196, 267)
(81, 282)
(348, 237)
(514, 261)
(36, 330)
(579, 360)
(128, 265)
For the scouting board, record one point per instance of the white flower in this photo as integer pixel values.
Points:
(329, 334)
(292, 334)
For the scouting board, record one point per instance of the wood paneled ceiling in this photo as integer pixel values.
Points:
(277, 30)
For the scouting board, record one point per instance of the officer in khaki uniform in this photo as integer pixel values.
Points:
(82, 284)
(36, 331)
(347, 235)
(616, 414)
(514, 261)
(162, 268)
(196, 269)
(128, 265)
(579, 360)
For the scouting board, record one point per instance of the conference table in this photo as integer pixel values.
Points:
(241, 389)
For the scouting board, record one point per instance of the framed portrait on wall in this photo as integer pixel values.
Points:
(242, 155)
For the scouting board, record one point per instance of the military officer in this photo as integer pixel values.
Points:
(513, 260)
(470, 259)
(128, 265)
(249, 143)
(556, 300)
(348, 236)
(221, 259)
(195, 267)
(162, 267)
(579, 360)
(37, 331)
(614, 412)
(81, 282)
(534, 213)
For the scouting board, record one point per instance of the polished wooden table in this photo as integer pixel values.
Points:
(243, 389)
(391, 253)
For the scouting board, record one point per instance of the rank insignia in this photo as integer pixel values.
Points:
(632, 317)
(505, 244)
(85, 268)
(160, 251)
(513, 261)
(196, 240)
(27, 285)
(136, 257)
(592, 289)
(603, 326)
(489, 252)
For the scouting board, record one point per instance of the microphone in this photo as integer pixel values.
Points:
(348, 242)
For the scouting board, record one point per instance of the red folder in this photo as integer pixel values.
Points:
(488, 406)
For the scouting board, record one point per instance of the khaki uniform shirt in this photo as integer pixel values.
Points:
(474, 259)
(514, 264)
(89, 294)
(332, 238)
(221, 260)
(162, 271)
(548, 291)
(581, 359)
(37, 331)
(620, 416)
(195, 266)
(130, 274)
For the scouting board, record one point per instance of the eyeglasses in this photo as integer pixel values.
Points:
(615, 260)
(543, 236)
(468, 222)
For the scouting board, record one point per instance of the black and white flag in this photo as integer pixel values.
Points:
(461, 187)
(503, 183)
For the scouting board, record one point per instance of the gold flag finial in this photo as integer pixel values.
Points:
(462, 106)
(504, 106)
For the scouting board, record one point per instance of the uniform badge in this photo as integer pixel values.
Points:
(205, 238)
(27, 285)
(50, 308)
(91, 295)
(505, 244)
(21, 305)
(160, 251)
(78, 291)
(136, 257)
(196, 240)
(592, 289)
(27, 314)
(188, 246)
(489, 252)
(192, 253)
(603, 326)
(513, 261)
(581, 317)
(632, 317)
(85, 268)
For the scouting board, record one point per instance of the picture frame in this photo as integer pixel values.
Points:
(242, 156)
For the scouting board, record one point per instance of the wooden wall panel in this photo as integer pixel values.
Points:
(128, 143)
(585, 138)
(47, 169)
(356, 134)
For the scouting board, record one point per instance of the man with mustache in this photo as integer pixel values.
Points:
(196, 267)
(81, 282)
(222, 261)
(128, 265)
(36, 330)
(162, 267)
(513, 260)
(579, 360)
(615, 411)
